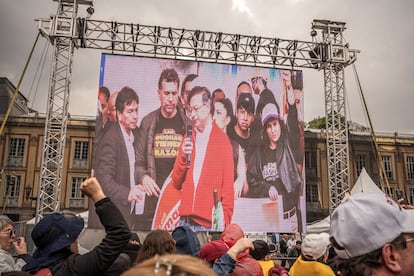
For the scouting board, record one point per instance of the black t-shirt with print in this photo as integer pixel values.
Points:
(167, 140)
(271, 175)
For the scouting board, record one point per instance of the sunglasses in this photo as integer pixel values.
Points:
(10, 232)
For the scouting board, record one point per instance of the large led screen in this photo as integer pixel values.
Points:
(200, 144)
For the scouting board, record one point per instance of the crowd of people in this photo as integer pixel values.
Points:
(370, 234)
(259, 155)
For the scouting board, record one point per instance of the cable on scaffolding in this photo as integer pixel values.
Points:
(383, 174)
(16, 91)
(38, 76)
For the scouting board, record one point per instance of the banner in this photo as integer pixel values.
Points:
(244, 125)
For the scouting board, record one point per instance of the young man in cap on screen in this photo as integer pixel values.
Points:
(240, 129)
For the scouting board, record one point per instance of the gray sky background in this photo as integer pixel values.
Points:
(383, 30)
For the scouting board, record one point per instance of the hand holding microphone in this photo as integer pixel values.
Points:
(187, 146)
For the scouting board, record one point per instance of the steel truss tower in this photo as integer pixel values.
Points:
(331, 34)
(66, 31)
(61, 33)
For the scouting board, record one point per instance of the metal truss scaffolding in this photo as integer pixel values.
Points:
(330, 33)
(66, 31)
(61, 32)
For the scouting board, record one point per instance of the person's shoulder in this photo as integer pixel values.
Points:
(3, 252)
(219, 134)
(291, 250)
(324, 268)
(230, 128)
(64, 265)
(256, 125)
(267, 94)
(150, 117)
(233, 143)
(111, 133)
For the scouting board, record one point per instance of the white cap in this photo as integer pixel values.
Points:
(366, 221)
(409, 228)
(315, 246)
(269, 111)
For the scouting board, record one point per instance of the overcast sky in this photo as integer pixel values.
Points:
(383, 30)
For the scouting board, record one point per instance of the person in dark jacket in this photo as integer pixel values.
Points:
(115, 158)
(272, 169)
(294, 252)
(55, 237)
(156, 147)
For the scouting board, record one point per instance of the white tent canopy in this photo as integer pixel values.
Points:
(364, 183)
(319, 226)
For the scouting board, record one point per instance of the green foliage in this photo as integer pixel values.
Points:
(320, 123)
(317, 123)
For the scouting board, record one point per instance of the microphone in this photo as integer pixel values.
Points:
(189, 135)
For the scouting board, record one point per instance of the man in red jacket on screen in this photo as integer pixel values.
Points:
(204, 164)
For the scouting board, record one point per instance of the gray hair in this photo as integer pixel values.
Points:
(4, 220)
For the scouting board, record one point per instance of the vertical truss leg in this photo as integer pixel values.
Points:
(57, 109)
(336, 134)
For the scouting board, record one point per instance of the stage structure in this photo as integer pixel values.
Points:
(66, 32)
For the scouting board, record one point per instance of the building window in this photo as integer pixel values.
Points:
(411, 195)
(76, 196)
(76, 192)
(410, 168)
(12, 190)
(80, 158)
(16, 152)
(387, 161)
(361, 162)
(312, 193)
(310, 164)
(12, 185)
(81, 150)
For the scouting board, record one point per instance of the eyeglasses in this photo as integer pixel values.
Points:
(408, 240)
(404, 242)
(195, 109)
(10, 232)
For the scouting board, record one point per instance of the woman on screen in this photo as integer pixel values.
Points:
(272, 169)
(223, 113)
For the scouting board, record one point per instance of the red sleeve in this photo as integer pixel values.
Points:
(179, 170)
